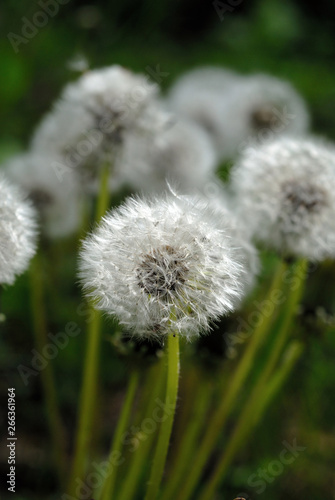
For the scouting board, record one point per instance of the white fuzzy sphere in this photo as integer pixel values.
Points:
(261, 108)
(109, 100)
(17, 232)
(285, 192)
(212, 78)
(237, 111)
(181, 154)
(161, 266)
(92, 117)
(54, 192)
(200, 96)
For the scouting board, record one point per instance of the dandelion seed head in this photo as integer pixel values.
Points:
(57, 201)
(18, 230)
(260, 109)
(285, 193)
(161, 265)
(200, 96)
(264, 117)
(265, 103)
(90, 121)
(256, 108)
(300, 200)
(162, 271)
(180, 153)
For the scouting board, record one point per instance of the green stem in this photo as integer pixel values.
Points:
(255, 405)
(87, 401)
(108, 487)
(187, 389)
(47, 374)
(189, 442)
(86, 213)
(290, 357)
(288, 315)
(103, 199)
(227, 402)
(166, 425)
(250, 417)
(140, 454)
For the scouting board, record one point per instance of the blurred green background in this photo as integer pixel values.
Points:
(292, 40)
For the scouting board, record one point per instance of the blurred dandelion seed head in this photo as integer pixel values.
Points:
(180, 153)
(89, 123)
(17, 232)
(264, 117)
(58, 203)
(300, 200)
(236, 110)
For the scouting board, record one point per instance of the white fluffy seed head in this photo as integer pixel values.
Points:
(57, 199)
(285, 193)
(212, 78)
(17, 232)
(225, 212)
(236, 111)
(161, 266)
(181, 154)
(93, 116)
(200, 96)
(259, 109)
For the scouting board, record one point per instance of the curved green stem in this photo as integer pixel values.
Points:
(189, 442)
(166, 425)
(290, 357)
(91, 365)
(187, 389)
(227, 402)
(103, 198)
(254, 406)
(140, 454)
(288, 314)
(250, 417)
(47, 374)
(108, 487)
(87, 402)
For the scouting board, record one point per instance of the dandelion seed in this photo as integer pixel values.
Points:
(159, 266)
(17, 232)
(285, 193)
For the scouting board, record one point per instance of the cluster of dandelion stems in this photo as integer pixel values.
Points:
(147, 469)
(181, 481)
